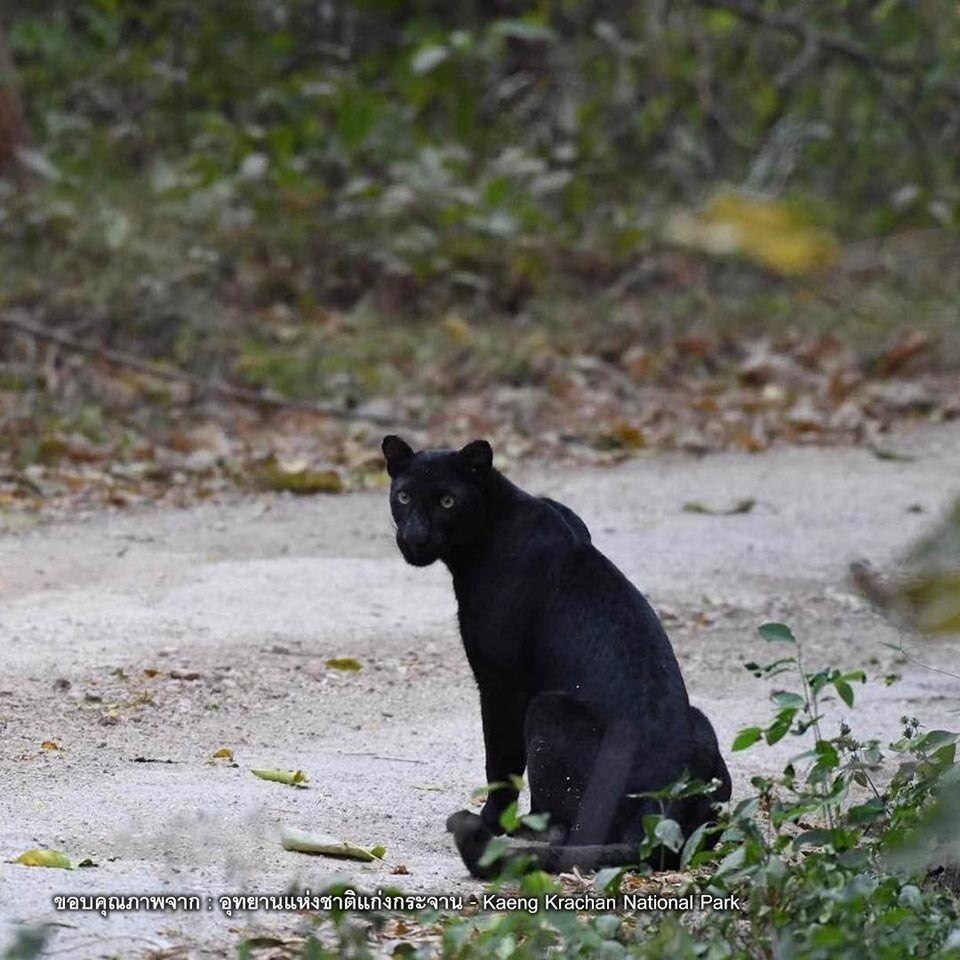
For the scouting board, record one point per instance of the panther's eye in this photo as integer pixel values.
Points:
(403, 497)
(447, 501)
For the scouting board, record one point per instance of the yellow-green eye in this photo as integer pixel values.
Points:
(403, 497)
(447, 501)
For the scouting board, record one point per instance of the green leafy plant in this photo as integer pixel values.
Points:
(829, 859)
(500, 160)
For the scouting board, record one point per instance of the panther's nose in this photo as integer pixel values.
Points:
(416, 535)
(415, 541)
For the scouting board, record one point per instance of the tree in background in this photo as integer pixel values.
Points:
(11, 115)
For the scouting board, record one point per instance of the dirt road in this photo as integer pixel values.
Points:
(133, 640)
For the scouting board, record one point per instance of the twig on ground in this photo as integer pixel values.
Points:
(377, 756)
(910, 658)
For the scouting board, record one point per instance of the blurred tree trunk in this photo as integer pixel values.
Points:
(11, 113)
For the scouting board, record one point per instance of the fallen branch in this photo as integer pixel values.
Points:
(204, 386)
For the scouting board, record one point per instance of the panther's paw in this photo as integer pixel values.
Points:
(471, 837)
(465, 823)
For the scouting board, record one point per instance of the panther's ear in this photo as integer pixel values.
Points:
(398, 454)
(477, 456)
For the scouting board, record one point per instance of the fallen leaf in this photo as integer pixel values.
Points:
(207, 437)
(804, 417)
(637, 362)
(263, 943)
(343, 663)
(621, 436)
(74, 447)
(44, 858)
(327, 845)
(292, 778)
(692, 440)
(910, 344)
(763, 366)
(901, 397)
(457, 329)
(741, 506)
(695, 345)
(883, 453)
(295, 478)
(224, 753)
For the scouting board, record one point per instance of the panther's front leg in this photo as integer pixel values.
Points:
(503, 709)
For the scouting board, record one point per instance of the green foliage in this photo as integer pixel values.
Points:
(197, 157)
(924, 592)
(827, 860)
(27, 943)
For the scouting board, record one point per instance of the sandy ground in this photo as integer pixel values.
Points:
(99, 618)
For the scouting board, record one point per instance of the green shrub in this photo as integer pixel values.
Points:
(814, 857)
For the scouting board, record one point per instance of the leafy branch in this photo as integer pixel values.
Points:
(815, 40)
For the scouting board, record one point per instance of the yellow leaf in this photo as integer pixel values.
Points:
(44, 858)
(224, 753)
(343, 663)
(457, 329)
(292, 778)
(766, 231)
(301, 480)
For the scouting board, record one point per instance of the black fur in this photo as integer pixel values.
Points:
(578, 682)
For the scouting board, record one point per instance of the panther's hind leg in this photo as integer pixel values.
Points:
(704, 763)
(706, 760)
(562, 741)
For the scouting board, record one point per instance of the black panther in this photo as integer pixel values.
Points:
(578, 683)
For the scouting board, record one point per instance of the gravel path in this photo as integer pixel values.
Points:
(164, 636)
